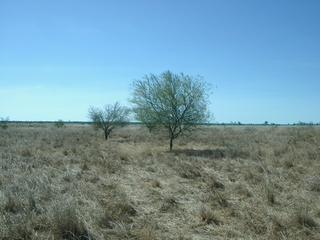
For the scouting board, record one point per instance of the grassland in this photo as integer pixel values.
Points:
(220, 182)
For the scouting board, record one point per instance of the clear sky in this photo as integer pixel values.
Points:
(59, 57)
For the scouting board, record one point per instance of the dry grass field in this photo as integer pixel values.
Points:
(220, 182)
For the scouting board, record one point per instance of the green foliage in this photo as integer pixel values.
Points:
(176, 102)
(108, 118)
(4, 122)
(59, 124)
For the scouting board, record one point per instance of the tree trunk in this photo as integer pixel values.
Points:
(171, 143)
(106, 134)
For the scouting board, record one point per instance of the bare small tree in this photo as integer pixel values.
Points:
(4, 122)
(108, 118)
(176, 102)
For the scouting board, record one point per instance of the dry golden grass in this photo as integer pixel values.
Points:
(220, 182)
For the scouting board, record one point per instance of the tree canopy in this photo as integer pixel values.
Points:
(177, 102)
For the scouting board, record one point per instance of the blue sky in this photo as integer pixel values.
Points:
(57, 58)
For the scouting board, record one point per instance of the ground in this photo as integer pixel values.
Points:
(219, 182)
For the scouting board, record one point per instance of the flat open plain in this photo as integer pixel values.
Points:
(219, 182)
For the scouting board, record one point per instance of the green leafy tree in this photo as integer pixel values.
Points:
(59, 124)
(176, 102)
(109, 117)
(145, 116)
